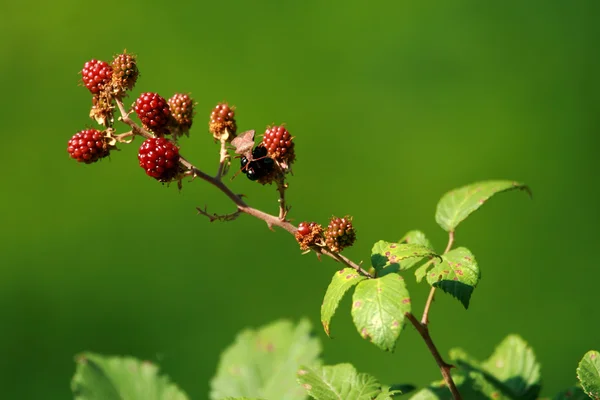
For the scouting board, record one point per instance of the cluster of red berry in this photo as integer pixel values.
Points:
(164, 121)
(109, 83)
(339, 234)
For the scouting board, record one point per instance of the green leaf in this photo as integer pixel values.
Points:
(588, 373)
(100, 377)
(573, 393)
(240, 398)
(341, 282)
(414, 237)
(338, 382)
(422, 270)
(378, 308)
(456, 205)
(458, 274)
(513, 363)
(263, 363)
(386, 256)
(512, 368)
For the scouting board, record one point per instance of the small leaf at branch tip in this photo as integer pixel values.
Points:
(456, 205)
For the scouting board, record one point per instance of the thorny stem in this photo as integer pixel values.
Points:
(444, 366)
(281, 186)
(241, 205)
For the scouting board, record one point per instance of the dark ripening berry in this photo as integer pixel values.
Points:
(279, 144)
(125, 73)
(340, 233)
(160, 158)
(309, 234)
(96, 74)
(260, 165)
(88, 146)
(259, 169)
(153, 111)
(222, 118)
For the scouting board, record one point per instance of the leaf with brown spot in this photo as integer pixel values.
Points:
(414, 237)
(388, 257)
(458, 274)
(341, 282)
(456, 205)
(383, 303)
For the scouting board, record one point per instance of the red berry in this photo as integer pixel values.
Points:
(303, 228)
(340, 233)
(309, 234)
(95, 75)
(160, 158)
(88, 146)
(182, 109)
(222, 118)
(153, 111)
(279, 144)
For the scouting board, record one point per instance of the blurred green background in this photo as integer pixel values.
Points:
(392, 103)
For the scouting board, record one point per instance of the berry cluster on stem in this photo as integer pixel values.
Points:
(163, 122)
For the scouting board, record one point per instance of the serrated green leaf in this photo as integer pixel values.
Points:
(386, 256)
(573, 393)
(456, 205)
(512, 369)
(100, 377)
(378, 308)
(263, 363)
(588, 373)
(458, 274)
(341, 282)
(338, 382)
(513, 363)
(414, 237)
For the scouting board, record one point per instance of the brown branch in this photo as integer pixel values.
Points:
(283, 209)
(444, 366)
(241, 205)
(218, 217)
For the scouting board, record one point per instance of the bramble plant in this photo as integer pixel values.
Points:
(281, 360)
